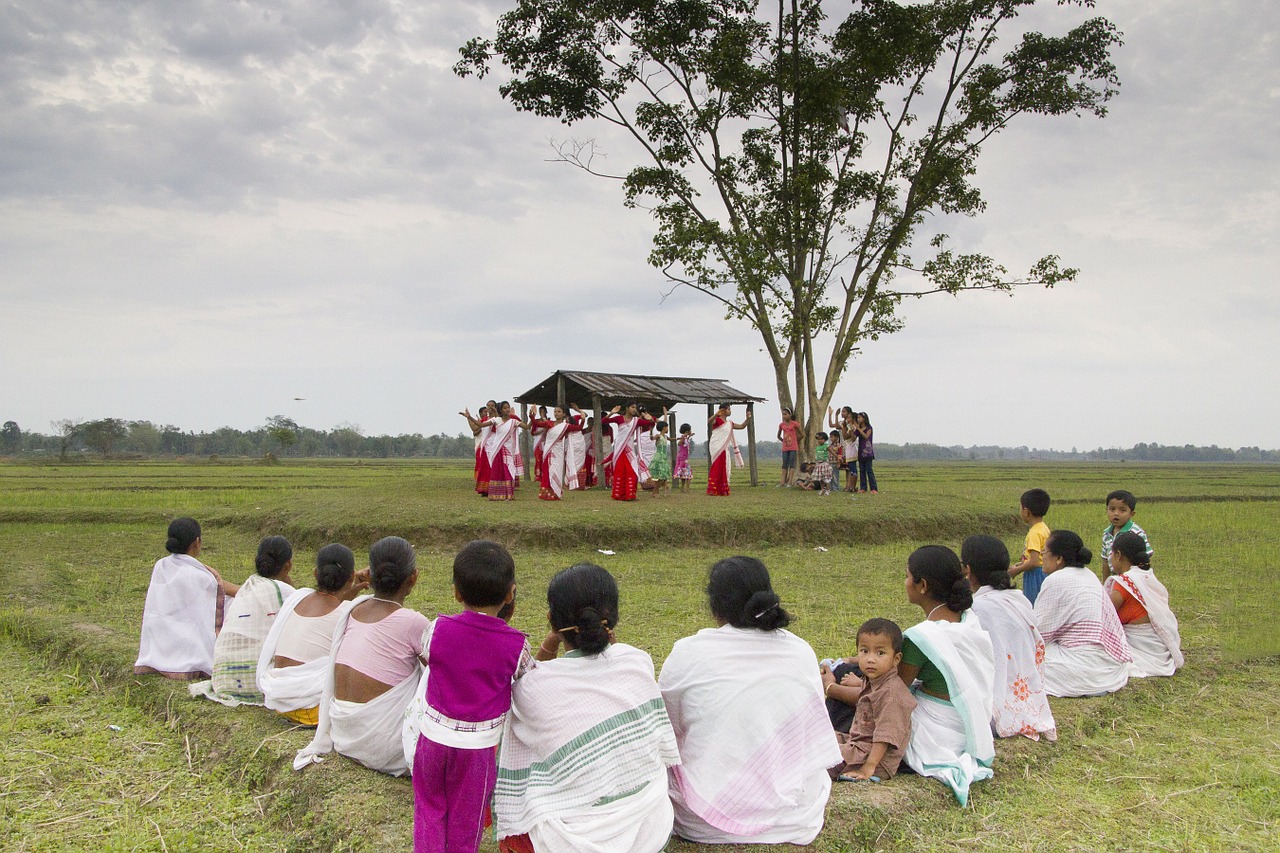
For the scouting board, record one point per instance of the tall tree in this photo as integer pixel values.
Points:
(103, 435)
(283, 431)
(10, 437)
(66, 431)
(790, 163)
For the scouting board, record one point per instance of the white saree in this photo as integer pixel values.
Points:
(290, 688)
(1021, 706)
(371, 733)
(248, 619)
(951, 740)
(559, 475)
(1086, 653)
(180, 619)
(584, 756)
(755, 740)
(1157, 645)
(626, 448)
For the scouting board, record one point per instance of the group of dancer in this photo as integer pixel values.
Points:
(575, 746)
(637, 451)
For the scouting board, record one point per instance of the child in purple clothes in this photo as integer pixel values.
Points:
(472, 659)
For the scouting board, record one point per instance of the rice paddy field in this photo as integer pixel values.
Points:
(92, 757)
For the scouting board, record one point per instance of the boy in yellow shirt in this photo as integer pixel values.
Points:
(1035, 506)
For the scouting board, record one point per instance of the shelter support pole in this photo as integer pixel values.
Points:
(560, 401)
(526, 442)
(711, 413)
(597, 441)
(751, 444)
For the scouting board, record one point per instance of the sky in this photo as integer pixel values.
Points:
(211, 208)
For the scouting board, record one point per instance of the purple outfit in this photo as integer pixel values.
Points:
(682, 470)
(472, 658)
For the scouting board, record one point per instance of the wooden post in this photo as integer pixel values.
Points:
(751, 444)
(597, 440)
(560, 401)
(711, 411)
(526, 441)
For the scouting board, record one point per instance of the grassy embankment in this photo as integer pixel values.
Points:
(1183, 763)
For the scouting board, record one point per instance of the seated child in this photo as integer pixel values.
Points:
(881, 727)
(805, 480)
(472, 658)
(1121, 507)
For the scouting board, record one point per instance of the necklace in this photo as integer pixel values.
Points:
(933, 611)
(327, 595)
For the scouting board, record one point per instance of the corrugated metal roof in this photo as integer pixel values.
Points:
(616, 388)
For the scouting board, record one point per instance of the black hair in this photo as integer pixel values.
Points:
(335, 564)
(582, 601)
(502, 404)
(835, 433)
(940, 569)
(821, 436)
(274, 553)
(1069, 546)
(988, 561)
(685, 428)
(391, 562)
(739, 592)
(866, 420)
(882, 628)
(1133, 547)
(1036, 502)
(660, 425)
(483, 573)
(1123, 495)
(183, 532)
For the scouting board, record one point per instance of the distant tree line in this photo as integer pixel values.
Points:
(284, 437)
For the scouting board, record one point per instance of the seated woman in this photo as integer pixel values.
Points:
(249, 618)
(1021, 706)
(584, 757)
(295, 655)
(377, 661)
(950, 655)
(1086, 653)
(184, 609)
(745, 700)
(1142, 605)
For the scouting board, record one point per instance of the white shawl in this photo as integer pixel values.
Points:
(290, 688)
(721, 441)
(553, 458)
(506, 434)
(626, 450)
(178, 619)
(755, 740)
(951, 741)
(372, 733)
(584, 756)
(1151, 658)
(248, 620)
(1086, 652)
(1020, 704)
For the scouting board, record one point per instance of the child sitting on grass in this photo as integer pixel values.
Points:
(881, 727)
(1035, 506)
(1121, 506)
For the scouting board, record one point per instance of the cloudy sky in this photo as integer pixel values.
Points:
(209, 208)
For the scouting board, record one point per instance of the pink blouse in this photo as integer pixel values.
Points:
(384, 650)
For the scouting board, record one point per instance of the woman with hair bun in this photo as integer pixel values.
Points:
(745, 700)
(947, 662)
(584, 757)
(295, 655)
(183, 614)
(249, 618)
(378, 651)
(1086, 652)
(1142, 605)
(1021, 706)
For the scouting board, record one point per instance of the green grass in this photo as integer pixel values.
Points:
(1185, 763)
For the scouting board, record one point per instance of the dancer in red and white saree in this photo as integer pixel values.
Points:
(538, 426)
(557, 472)
(502, 450)
(721, 439)
(481, 429)
(628, 468)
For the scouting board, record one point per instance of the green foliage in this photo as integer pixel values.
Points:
(10, 437)
(788, 162)
(103, 435)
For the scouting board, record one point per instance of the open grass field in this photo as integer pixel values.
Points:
(1187, 763)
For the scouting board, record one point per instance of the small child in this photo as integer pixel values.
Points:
(881, 727)
(821, 471)
(683, 473)
(835, 452)
(1121, 506)
(1035, 506)
(472, 658)
(805, 480)
(660, 464)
